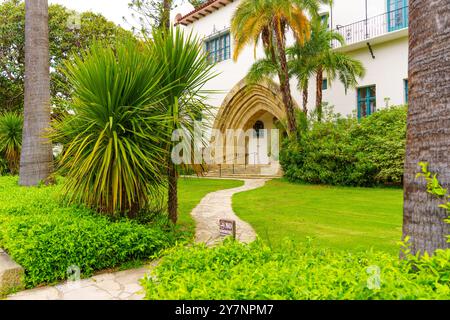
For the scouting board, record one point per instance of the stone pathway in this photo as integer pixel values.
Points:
(216, 206)
(125, 285)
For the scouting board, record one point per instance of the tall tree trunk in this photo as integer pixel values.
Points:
(305, 99)
(165, 17)
(172, 202)
(428, 123)
(283, 75)
(319, 81)
(36, 162)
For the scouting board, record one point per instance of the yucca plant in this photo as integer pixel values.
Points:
(114, 142)
(11, 125)
(187, 70)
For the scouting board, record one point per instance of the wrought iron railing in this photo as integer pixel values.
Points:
(373, 27)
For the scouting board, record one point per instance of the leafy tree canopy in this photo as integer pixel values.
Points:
(69, 32)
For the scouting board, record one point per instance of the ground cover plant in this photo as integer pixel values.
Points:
(47, 237)
(295, 272)
(347, 218)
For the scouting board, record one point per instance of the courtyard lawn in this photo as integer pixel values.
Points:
(335, 217)
(192, 190)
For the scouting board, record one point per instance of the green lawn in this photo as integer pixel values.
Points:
(335, 217)
(192, 190)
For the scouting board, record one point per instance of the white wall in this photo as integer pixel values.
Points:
(387, 70)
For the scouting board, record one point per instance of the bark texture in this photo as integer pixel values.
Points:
(428, 122)
(172, 202)
(319, 80)
(36, 162)
(165, 19)
(305, 99)
(284, 80)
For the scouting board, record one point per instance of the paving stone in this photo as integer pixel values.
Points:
(218, 205)
(47, 293)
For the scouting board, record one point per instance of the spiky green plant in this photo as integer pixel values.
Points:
(11, 125)
(187, 70)
(113, 143)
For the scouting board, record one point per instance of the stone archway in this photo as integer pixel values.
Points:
(244, 101)
(246, 104)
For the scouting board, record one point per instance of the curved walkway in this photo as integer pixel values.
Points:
(216, 206)
(125, 285)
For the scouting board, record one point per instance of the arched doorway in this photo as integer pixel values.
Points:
(251, 107)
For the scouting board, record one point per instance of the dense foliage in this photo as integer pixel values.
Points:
(10, 141)
(113, 152)
(237, 271)
(47, 238)
(343, 151)
(68, 32)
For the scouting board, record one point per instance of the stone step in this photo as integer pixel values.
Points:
(243, 176)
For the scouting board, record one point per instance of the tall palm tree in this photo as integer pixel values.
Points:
(302, 66)
(36, 162)
(317, 57)
(428, 123)
(270, 20)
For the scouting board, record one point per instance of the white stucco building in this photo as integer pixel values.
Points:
(376, 33)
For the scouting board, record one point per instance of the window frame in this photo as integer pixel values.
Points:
(324, 84)
(397, 5)
(406, 90)
(218, 47)
(367, 100)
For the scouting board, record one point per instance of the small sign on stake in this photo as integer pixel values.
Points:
(227, 228)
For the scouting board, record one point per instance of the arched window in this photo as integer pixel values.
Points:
(259, 129)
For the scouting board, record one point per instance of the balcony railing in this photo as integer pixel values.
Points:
(373, 27)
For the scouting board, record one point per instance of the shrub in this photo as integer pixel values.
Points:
(237, 271)
(47, 238)
(11, 125)
(112, 152)
(343, 151)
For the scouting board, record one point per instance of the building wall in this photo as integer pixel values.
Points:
(387, 71)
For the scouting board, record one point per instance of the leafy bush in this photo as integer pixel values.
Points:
(11, 125)
(237, 271)
(47, 238)
(343, 151)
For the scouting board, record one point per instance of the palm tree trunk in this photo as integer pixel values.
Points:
(172, 202)
(283, 75)
(305, 99)
(319, 80)
(428, 123)
(36, 161)
(165, 17)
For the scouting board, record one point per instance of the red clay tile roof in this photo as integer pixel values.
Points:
(203, 10)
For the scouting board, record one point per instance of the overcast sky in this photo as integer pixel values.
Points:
(113, 10)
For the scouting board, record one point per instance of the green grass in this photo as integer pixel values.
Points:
(335, 217)
(192, 190)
